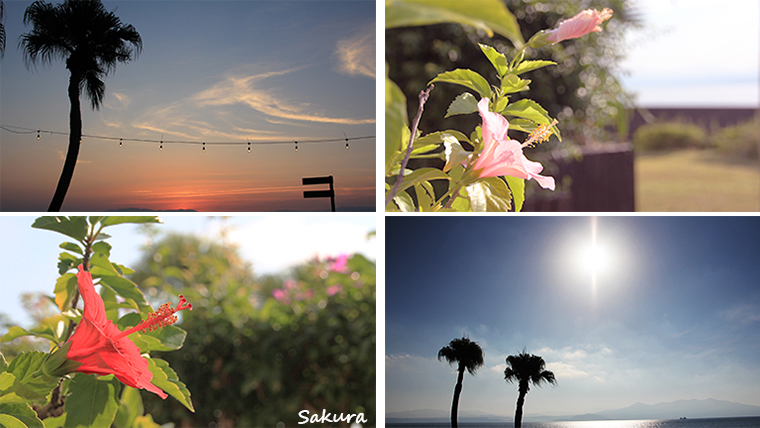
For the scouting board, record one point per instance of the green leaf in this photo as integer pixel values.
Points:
(165, 378)
(72, 247)
(130, 407)
(92, 401)
(464, 103)
(529, 109)
(8, 421)
(167, 338)
(527, 66)
(75, 227)
(511, 84)
(23, 413)
(140, 219)
(420, 175)
(14, 332)
(489, 195)
(488, 15)
(101, 266)
(65, 287)
(517, 186)
(67, 262)
(466, 78)
(26, 368)
(404, 202)
(103, 248)
(498, 60)
(124, 288)
(395, 122)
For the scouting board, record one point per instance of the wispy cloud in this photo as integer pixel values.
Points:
(356, 55)
(249, 90)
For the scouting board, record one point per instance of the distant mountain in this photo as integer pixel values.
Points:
(437, 416)
(709, 408)
(134, 209)
(691, 409)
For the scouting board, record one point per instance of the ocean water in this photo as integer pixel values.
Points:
(750, 422)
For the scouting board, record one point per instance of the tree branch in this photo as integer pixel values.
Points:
(423, 99)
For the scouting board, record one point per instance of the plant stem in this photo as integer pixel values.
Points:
(423, 99)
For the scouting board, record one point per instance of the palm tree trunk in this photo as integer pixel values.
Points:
(457, 391)
(519, 409)
(75, 135)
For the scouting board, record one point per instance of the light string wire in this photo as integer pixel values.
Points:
(28, 131)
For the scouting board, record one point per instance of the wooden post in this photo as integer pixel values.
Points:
(320, 193)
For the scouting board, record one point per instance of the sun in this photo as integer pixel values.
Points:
(594, 257)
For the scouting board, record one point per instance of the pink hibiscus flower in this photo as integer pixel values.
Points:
(581, 24)
(502, 156)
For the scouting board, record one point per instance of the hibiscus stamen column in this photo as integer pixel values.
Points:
(161, 318)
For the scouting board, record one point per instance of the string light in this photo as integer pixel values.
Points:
(161, 145)
(247, 142)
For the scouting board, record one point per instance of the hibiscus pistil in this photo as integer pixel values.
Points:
(163, 317)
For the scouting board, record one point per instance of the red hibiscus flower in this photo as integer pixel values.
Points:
(103, 349)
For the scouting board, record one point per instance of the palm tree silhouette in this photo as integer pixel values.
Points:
(469, 356)
(526, 369)
(92, 40)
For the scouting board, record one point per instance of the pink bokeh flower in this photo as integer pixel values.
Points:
(280, 294)
(339, 264)
(581, 24)
(103, 349)
(502, 156)
(334, 289)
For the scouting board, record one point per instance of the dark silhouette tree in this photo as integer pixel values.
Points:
(92, 40)
(469, 356)
(526, 369)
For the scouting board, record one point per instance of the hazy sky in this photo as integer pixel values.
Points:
(210, 71)
(272, 243)
(675, 313)
(695, 53)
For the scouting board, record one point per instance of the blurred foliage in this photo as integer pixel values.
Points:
(582, 92)
(253, 360)
(669, 135)
(741, 140)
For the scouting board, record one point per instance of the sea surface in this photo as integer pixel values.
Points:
(750, 422)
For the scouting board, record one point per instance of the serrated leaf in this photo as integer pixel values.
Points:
(65, 287)
(511, 84)
(26, 368)
(517, 186)
(401, 202)
(527, 66)
(466, 78)
(101, 266)
(23, 412)
(70, 246)
(489, 195)
(140, 219)
(75, 227)
(124, 288)
(166, 378)
(92, 401)
(498, 60)
(464, 103)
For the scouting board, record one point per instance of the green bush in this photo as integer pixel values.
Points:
(669, 135)
(740, 140)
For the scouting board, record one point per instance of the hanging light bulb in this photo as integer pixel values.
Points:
(296, 145)
(204, 147)
(38, 135)
(346, 136)
(346, 145)
(161, 147)
(121, 142)
(249, 146)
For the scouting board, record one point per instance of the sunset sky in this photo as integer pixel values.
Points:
(213, 71)
(674, 312)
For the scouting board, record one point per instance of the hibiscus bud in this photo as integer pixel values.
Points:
(581, 24)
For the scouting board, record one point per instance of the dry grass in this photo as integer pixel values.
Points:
(696, 181)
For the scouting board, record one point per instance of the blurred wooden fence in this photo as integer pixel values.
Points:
(602, 181)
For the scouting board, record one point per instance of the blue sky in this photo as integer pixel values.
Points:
(695, 53)
(675, 313)
(271, 243)
(210, 71)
